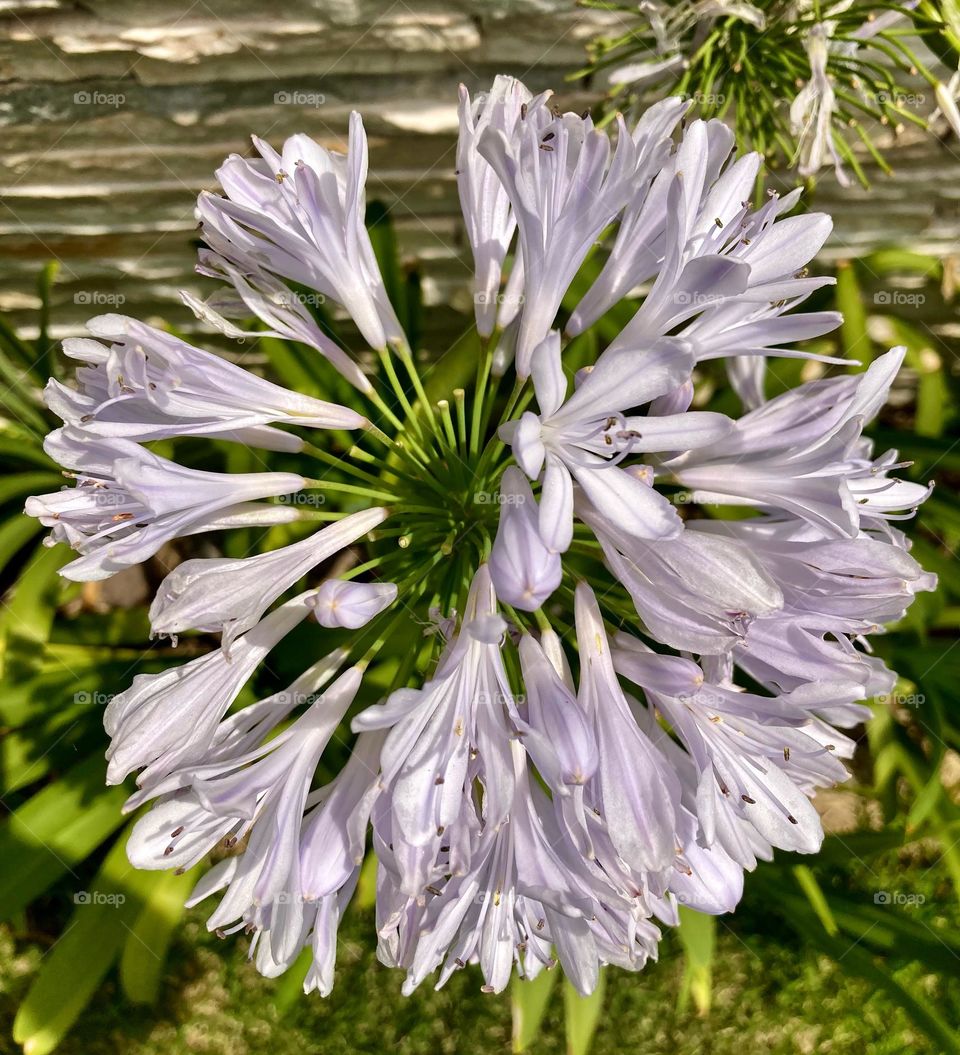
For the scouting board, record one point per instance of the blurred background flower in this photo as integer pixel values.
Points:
(804, 82)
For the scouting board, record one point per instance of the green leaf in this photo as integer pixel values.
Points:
(853, 330)
(528, 1004)
(28, 617)
(942, 452)
(73, 969)
(21, 397)
(68, 681)
(413, 299)
(933, 394)
(21, 351)
(453, 369)
(698, 935)
(25, 447)
(101, 634)
(893, 260)
(888, 930)
(838, 849)
(288, 361)
(148, 939)
(366, 896)
(22, 485)
(289, 986)
(856, 960)
(15, 533)
(54, 831)
(871, 921)
(26, 756)
(932, 792)
(582, 1015)
(818, 902)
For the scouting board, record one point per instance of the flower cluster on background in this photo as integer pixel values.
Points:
(619, 705)
(807, 84)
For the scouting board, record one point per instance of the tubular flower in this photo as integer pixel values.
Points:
(556, 702)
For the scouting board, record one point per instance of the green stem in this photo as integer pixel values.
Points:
(386, 361)
(350, 489)
(406, 358)
(343, 463)
(444, 407)
(459, 397)
(483, 373)
(377, 400)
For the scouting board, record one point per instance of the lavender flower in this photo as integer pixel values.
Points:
(536, 786)
(231, 596)
(128, 501)
(299, 213)
(149, 385)
(524, 570)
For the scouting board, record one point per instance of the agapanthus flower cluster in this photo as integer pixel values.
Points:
(591, 650)
(809, 84)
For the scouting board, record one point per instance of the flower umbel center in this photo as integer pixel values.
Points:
(437, 468)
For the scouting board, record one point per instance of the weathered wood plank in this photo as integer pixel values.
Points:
(115, 114)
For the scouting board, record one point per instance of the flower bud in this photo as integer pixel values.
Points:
(523, 570)
(350, 604)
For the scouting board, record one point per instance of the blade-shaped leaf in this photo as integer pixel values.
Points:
(148, 939)
(582, 1015)
(74, 968)
(698, 935)
(528, 1003)
(54, 831)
